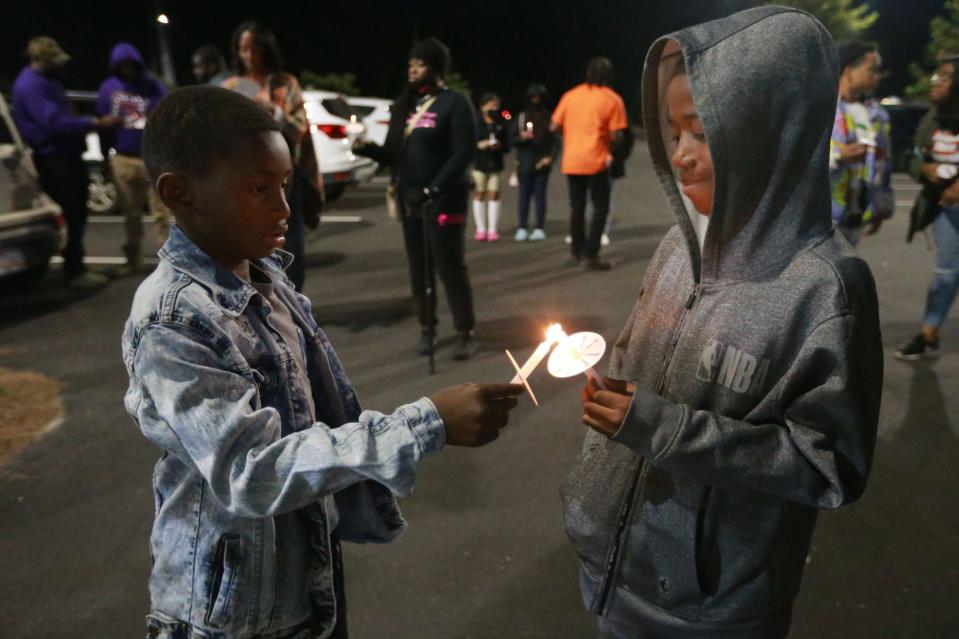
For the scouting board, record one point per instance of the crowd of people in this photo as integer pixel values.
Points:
(743, 392)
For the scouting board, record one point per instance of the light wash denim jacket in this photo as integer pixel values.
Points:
(215, 388)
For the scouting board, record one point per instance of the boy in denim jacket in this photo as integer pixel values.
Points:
(268, 460)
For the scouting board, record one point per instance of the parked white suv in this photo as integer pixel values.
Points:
(31, 224)
(334, 126)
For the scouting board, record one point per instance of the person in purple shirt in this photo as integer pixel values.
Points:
(57, 136)
(130, 93)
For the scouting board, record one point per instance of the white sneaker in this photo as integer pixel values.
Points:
(569, 239)
(604, 241)
(537, 235)
(521, 235)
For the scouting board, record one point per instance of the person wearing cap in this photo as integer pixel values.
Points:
(131, 93)
(859, 157)
(57, 135)
(430, 146)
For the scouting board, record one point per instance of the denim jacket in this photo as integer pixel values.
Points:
(215, 388)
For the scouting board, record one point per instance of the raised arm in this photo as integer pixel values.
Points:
(817, 451)
(192, 405)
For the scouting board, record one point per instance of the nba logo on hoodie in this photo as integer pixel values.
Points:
(731, 367)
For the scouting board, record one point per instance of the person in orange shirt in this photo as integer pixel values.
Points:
(591, 117)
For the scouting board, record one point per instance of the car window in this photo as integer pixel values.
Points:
(340, 108)
(364, 110)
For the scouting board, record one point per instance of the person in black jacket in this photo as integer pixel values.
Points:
(429, 147)
(492, 141)
(536, 148)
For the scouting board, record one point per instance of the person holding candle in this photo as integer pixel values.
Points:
(492, 142)
(268, 460)
(743, 393)
(536, 148)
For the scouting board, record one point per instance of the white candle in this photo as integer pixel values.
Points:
(529, 127)
(553, 335)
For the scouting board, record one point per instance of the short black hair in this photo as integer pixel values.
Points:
(210, 53)
(194, 127)
(599, 71)
(852, 53)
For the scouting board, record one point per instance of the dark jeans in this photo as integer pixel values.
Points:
(67, 182)
(597, 186)
(532, 185)
(447, 254)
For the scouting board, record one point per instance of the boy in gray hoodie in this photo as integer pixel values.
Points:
(744, 391)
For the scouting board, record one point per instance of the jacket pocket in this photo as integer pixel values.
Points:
(592, 498)
(222, 579)
(659, 560)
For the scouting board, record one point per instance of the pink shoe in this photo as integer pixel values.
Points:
(492, 236)
(480, 236)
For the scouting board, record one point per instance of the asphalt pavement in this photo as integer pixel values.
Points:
(485, 554)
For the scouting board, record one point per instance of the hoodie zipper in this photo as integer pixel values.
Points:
(639, 473)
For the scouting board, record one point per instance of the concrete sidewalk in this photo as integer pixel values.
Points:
(485, 554)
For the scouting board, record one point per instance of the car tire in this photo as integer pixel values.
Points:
(102, 197)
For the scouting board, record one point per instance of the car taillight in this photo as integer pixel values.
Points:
(334, 131)
(383, 122)
(61, 222)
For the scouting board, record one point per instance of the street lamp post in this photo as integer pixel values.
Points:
(163, 42)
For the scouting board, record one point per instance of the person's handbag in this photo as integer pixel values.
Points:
(924, 210)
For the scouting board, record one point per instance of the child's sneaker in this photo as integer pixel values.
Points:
(480, 236)
(569, 239)
(492, 236)
(537, 235)
(604, 241)
(917, 349)
(521, 235)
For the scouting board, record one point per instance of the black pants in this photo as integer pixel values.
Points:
(532, 185)
(65, 179)
(447, 255)
(597, 186)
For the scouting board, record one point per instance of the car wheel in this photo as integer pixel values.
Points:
(102, 197)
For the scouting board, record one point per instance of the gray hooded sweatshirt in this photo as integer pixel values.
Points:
(757, 361)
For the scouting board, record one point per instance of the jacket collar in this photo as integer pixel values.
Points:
(229, 292)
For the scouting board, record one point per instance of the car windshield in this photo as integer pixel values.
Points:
(341, 108)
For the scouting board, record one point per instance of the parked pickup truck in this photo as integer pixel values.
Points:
(31, 224)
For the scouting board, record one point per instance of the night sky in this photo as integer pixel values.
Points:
(497, 45)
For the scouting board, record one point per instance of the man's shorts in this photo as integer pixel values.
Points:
(486, 182)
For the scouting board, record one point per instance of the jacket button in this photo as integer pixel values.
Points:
(663, 584)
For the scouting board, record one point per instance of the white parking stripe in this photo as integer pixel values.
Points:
(102, 261)
(117, 219)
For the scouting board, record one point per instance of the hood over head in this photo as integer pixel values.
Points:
(765, 84)
(124, 51)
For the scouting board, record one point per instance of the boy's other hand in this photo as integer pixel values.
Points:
(473, 414)
(605, 410)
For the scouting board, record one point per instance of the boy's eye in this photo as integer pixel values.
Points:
(259, 189)
(700, 136)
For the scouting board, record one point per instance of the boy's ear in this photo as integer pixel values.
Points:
(176, 190)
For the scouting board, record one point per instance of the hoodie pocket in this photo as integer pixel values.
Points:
(222, 580)
(592, 499)
(659, 561)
